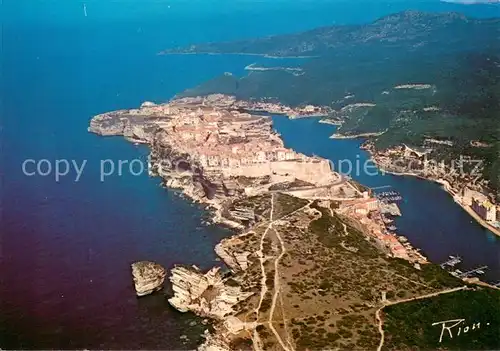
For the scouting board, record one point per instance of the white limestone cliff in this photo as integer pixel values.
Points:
(204, 294)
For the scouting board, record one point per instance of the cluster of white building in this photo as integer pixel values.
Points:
(221, 138)
(219, 158)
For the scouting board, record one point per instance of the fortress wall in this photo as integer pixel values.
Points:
(313, 172)
(308, 193)
(327, 192)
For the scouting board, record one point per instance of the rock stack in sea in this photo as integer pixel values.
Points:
(148, 277)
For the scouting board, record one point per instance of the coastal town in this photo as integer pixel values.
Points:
(225, 143)
(292, 214)
(461, 179)
(266, 106)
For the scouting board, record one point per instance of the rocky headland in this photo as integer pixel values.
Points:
(214, 150)
(206, 294)
(312, 265)
(310, 246)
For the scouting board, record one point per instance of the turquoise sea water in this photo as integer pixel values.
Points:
(66, 247)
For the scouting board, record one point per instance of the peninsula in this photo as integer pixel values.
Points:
(217, 153)
(311, 263)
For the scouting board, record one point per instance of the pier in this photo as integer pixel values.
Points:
(479, 270)
(452, 262)
(382, 187)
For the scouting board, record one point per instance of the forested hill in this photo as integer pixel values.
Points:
(410, 29)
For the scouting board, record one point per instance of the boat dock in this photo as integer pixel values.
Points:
(468, 274)
(452, 262)
(382, 187)
(389, 196)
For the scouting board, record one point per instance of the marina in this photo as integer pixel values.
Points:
(438, 227)
(389, 196)
(471, 273)
(452, 262)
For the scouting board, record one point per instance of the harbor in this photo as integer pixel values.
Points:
(389, 199)
(453, 261)
(425, 217)
(389, 196)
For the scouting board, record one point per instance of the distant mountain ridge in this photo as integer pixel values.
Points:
(410, 28)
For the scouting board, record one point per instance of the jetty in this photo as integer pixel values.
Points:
(479, 270)
(452, 262)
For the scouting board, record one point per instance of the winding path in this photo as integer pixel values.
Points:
(277, 290)
(257, 342)
(263, 289)
(277, 286)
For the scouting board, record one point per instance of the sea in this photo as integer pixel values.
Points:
(66, 243)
